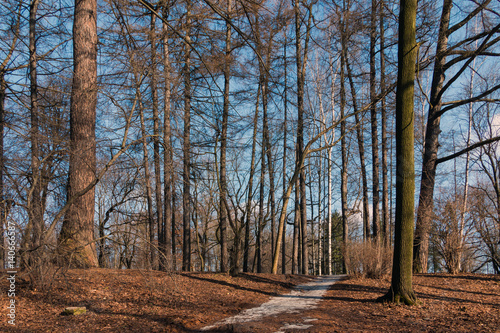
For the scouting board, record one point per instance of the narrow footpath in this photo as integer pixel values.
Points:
(303, 297)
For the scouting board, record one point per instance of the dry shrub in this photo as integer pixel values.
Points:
(40, 267)
(368, 259)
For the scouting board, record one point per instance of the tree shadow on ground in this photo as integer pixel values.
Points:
(232, 285)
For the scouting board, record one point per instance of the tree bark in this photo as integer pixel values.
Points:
(167, 235)
(3, 88)
(431, 144)
(401, 290)
(248, 209)
(386, 236)
(186, 172)
(301, 63)
(223, 147)
(156, 146)
(285, 126)
(343, 147)
(76, 239)
(374, 127)
(361, 149)
(147, 180)
(296, 232)
(35, 208)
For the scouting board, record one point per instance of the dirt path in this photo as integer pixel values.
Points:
(303, 297)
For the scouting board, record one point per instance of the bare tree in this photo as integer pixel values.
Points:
(436, 110)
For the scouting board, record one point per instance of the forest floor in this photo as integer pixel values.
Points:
(150, 301)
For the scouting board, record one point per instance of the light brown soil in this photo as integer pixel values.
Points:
(146, 301)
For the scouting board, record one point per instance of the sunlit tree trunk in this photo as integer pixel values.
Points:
(361, 149)
(223, 147)
(76, 239)
(301, 60)
(431, 144)
(401, 290)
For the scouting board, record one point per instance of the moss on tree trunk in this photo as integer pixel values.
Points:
(401, 288)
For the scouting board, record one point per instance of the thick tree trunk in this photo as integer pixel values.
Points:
(431, 145)
(76, 239)
(401, 290)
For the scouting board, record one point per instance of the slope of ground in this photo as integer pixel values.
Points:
(145, 301)
(137, 300)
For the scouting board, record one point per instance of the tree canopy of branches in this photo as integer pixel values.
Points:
(249, 135)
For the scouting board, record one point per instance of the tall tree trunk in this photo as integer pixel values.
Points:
(329, 170)
(301, 64)
(320, 227)
(361, 149)
(167, 235)
(36, 207)
(296, 232)
(248, 208)
(285, 129)
(149, 191)
(374, 125)
(76, 239)
(156, 146)
(261, 220)
(431, 144)
(313, 243)
(343, 147)
(329, 223)
(223, 147)
(270, 167)
(186, 172)
(401, 287)
(386, 236)
(3, 205)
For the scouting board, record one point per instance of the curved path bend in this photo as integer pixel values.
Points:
(301, 298)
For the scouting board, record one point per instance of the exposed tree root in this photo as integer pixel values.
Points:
(401, 297)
